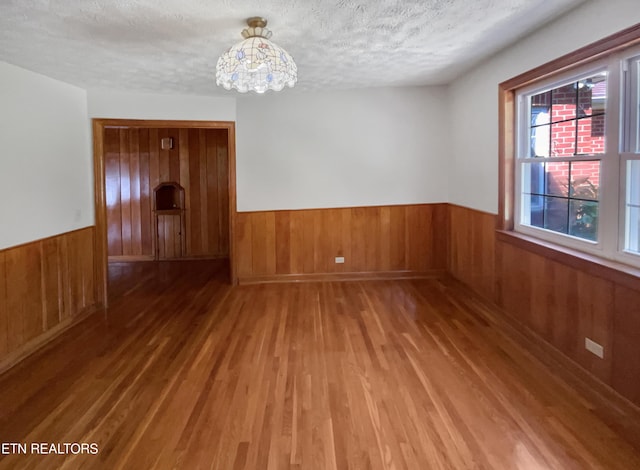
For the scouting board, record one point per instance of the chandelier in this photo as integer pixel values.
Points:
(256, 64)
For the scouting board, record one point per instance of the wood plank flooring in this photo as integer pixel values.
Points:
(184, 371)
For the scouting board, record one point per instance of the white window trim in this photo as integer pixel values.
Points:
(612, 191)
(629, 142)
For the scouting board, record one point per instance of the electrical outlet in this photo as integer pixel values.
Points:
(594, 348)
(339, 259)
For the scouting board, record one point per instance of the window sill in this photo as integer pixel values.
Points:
(619, 273)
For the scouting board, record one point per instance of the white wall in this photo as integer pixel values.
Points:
(46, 176)
(342, 148)
(128, 105)
(474, 96)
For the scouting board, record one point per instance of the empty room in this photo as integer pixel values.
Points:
(401, 234)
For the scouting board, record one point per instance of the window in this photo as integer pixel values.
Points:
(630, 237)
(560, 156)
(577, 158)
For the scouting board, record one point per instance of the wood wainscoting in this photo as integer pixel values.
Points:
(135, 164)
(555, 297)
(45, 287)
(381, 241)
(472, 249)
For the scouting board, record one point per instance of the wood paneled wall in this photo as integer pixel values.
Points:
(135, 164)
(386, 239)
(562, 304)
(45, 286)
(472, 249)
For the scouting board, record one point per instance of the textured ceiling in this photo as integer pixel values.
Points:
(171, 46)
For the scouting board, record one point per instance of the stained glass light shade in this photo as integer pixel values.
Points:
(256, 64)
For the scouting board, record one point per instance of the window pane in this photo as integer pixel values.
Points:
(556, 213)
(533, 213)
(592, 93)
(557, 178)
(563, 105)
(633, 229)
(539, 119)
(632, 232)
(633, 182)
(591, 135)
(533, 178)
(542, 99)
(540, 141)
(585, 180)
(563, 139)
(583, 219)
(569, 120)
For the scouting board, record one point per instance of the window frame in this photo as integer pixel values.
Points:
(606, 159)
(609, 50)
(630, 141)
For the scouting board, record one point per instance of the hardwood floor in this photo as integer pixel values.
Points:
(185, 371)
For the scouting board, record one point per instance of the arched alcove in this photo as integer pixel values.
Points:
(168, 196)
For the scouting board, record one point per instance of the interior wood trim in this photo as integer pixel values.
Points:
(618, 273)
(233, 208)
(479, 211)
(100, 204)
(40, 240)
(116, 259)
(506, 158)
(99, 125)
(307, 209)
(355, 276)
(144, 259)
(620, 40)
(163, 124)
(45, 339)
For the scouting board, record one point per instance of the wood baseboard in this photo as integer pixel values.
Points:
(356, 276)
(126, 259)
(45, 339)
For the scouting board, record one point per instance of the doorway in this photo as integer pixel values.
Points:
(163, 190)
